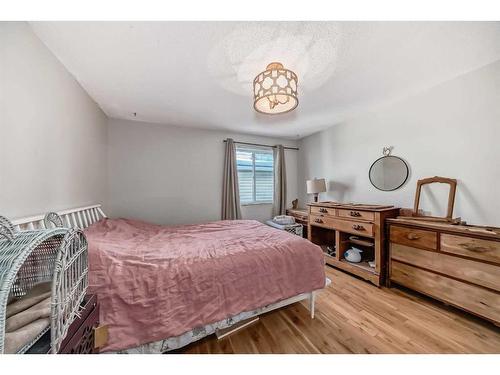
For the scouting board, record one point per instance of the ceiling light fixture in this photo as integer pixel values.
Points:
(275, 90)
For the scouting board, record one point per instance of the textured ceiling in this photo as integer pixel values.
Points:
(199, 74)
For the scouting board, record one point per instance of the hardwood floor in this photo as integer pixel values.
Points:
(353, 316)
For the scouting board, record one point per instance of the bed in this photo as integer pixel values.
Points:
(161, 287)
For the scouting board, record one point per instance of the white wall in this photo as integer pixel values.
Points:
(173, 175)
(54, 148)
(451, 130)
(52, 135)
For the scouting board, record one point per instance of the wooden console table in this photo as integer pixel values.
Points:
(345, 225)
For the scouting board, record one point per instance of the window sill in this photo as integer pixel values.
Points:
(256, 204)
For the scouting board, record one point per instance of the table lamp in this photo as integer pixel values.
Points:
(315, 187)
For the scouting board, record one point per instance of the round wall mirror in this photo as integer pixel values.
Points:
(388, 173)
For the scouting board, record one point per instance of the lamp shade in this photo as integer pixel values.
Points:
(318, 185)
(275, 90)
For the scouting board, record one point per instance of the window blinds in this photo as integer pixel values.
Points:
(255, 174)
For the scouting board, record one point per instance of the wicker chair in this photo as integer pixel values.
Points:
(30, 257)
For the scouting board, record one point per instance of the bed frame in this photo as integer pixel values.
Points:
(82, 217)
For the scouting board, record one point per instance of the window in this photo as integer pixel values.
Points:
(255, 174)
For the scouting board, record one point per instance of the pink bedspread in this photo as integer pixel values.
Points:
(155, 282)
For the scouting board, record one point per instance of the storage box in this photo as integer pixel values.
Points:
(296, 229)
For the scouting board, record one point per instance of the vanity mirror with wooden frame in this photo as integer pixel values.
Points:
(426, 182)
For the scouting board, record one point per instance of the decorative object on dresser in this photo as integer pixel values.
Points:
(456, 264)
(388, 172)
(332, 226)
(301, 216)
(353, 255)
(417, 215)
(316, 186)
(43, 280)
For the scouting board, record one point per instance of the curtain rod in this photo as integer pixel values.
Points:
(261, 145)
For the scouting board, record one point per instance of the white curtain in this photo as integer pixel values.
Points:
(230, 190)
(279, 200)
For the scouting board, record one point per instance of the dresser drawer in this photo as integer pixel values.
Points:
(471, 247)
(413, 237)
(322, 211)
(354, 214)
(469, 297)
(483, 274)
(349, 226)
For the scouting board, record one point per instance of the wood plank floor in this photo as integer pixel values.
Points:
(353, 316)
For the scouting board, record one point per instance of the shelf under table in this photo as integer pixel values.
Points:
(363, 265)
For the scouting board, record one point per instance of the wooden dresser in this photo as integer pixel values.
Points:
(345, 225)
(459, 265)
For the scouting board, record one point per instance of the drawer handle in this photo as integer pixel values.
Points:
(358, 227)
(318, 221)
(355, 213)
(412, 236)
(471, 247)
(323, 210)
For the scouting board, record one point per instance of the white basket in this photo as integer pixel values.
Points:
(32, 256)
(296, 229)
